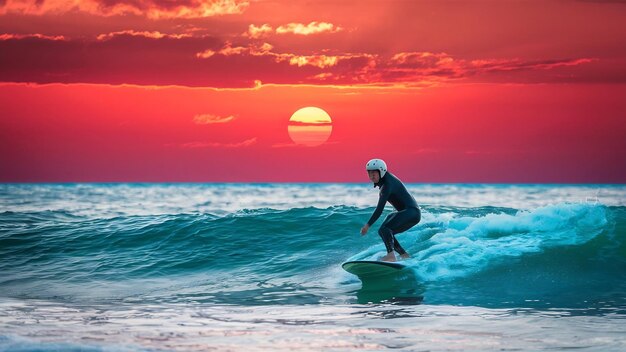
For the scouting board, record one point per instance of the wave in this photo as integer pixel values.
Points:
(467, 245)
(457, 252)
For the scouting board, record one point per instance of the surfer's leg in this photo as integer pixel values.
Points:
(398, 247)
(387, 239)
(402, 221)
(386, 233)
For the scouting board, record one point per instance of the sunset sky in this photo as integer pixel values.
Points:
(203, 90)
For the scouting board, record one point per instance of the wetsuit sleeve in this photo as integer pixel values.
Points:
(382, 200)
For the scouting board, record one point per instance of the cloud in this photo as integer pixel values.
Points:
(206, 119)
(8, 36)
(323, 76)
(153, 9)
(514, 65)
(145, 34)
(155, 58)
(205, 54)
(228, 50)
(196, 145)
(426, 63)
(256, 32)
(308, 29)
(420, 59)
(320, 61)
(420, 67)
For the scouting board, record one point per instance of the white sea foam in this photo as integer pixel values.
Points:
(466, 245)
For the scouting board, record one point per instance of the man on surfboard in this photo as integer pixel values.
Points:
(407, 212)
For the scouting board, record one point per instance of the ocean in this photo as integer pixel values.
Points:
(257, 267)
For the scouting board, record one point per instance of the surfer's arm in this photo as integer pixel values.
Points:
(382, 200)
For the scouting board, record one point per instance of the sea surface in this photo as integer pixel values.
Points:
(247, 267)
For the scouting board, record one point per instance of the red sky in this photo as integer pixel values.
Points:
(202, 91)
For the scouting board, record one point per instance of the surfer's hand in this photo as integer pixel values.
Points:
(364, 229)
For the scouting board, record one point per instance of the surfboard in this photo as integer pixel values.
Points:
(366, 268)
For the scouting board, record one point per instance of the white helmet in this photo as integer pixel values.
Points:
(377, 164)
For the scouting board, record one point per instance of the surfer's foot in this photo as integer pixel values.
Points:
(390, 257)
(405, 256)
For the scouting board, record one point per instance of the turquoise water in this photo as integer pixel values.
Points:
(258, 267)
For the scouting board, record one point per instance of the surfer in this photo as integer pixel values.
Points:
(407, 212)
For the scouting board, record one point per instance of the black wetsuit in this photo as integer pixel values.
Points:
(392, 190)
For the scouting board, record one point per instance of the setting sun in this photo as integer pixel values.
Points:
(310, 126)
